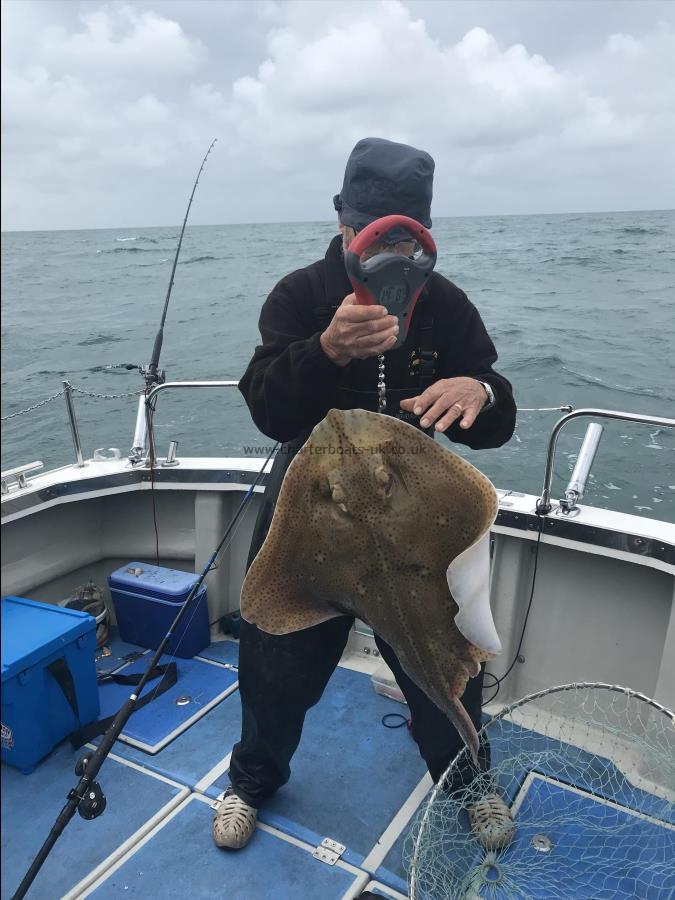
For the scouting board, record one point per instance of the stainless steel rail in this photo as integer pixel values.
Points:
(544, 504)
(18, 475)
(151, 402)
(68, 394)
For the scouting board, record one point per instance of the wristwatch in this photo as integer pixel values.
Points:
(491, 401)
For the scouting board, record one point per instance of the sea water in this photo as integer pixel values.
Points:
(581, 309)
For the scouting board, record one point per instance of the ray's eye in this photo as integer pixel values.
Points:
(339, 497)
(325, 488)
(385, 480)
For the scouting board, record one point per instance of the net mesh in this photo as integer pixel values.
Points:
(587, 773)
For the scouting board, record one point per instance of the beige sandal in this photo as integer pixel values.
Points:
(234, 822)
(491, 822)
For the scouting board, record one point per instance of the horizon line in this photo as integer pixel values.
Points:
(323, 222)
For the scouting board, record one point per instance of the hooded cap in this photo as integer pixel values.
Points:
(383, 178)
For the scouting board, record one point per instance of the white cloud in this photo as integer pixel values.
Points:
(94, 112)
(119, 37)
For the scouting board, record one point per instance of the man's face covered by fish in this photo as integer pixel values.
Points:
(375, 519)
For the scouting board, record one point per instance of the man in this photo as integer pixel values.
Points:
(319, 351)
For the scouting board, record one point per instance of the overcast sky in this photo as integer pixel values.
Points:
(526, 105)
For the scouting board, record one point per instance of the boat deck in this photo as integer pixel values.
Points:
(354, 781)
(351, 778)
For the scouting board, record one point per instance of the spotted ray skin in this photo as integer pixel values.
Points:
(370, 515)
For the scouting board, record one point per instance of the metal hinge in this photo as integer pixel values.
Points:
(329, 851)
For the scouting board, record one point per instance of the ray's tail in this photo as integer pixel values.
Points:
(467, 730)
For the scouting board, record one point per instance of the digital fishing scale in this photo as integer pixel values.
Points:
(388, 278)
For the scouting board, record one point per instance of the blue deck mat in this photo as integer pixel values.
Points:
(31, 803)
(567, 763)
(222, 652)
(198, 749)
(181, 861)
(383, 892)
(392, 872)
(350, 774)
(201, 681)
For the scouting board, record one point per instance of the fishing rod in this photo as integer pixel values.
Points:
(151, 372)
(87, 797)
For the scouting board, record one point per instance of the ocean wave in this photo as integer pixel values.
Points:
(634, 390)
(127, 250)
(142, 237)
(197, 259)
(100, 339)
(584, 376)
(640, 229)
(545, 361)
(110, 369)
(579, 260)
(571, 260)
(501, 332)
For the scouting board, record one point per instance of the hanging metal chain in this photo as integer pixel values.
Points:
(28, 409)
(107, 396)
(381, 386)
(22, 412)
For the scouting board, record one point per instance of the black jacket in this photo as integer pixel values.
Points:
(290, 384)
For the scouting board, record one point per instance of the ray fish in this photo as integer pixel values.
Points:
(375, 519)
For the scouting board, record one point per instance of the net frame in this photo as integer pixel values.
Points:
(584, 732)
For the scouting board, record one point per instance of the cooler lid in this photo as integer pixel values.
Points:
(33, 630)
(153, 581)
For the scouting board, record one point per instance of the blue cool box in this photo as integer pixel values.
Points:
(148, 598)
(35, 712)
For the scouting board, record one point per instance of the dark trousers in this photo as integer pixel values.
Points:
(281, 677)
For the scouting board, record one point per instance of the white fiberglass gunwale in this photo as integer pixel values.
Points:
(644, 541)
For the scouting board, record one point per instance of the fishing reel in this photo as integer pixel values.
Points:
(152, 375)
(389, 278)
(93, 803)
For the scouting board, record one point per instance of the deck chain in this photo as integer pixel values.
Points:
(107, 396)
(381, 398)
(28, 409)
(22, 412)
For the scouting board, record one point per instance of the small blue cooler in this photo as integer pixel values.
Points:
(45, 646)
(147, 600)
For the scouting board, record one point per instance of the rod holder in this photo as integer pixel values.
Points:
(544, 505)
(576, 488)
(68, 394)
(171, 455)
(139, 448)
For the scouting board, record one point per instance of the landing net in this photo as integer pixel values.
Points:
(588, 773)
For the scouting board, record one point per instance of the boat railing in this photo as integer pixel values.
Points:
(17, 475)
(143, 451)
(146, 409)
(577, 483)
